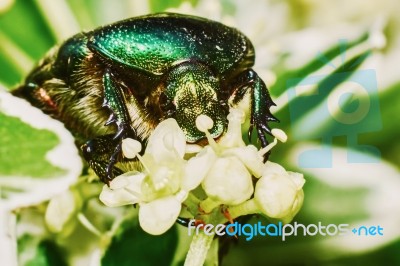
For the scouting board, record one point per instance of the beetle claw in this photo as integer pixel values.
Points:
(262, 137)
(113, 159)
(262, 129)
(110, 120)
(272, 118)
(120, 133)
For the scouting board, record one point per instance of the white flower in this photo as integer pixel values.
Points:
(223, 169)
(279, 193)
(228, 179)
(165, 182)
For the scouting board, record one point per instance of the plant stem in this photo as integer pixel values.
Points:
(208, 205)
(245, 208)
(88, 225)
(198, 249)
(192, 204)
(8, 238)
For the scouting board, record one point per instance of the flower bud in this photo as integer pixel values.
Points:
(273, 168)
(279, 195)
(298, 202)
(228, 181)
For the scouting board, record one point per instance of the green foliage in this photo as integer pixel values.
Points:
(132, 246)
(23, 149)
(48, 254)
(159, 6)
(34, 38)
(313, 65)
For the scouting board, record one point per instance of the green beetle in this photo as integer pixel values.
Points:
(122, 79)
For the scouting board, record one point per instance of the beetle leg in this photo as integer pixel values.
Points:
(97, 153)
(261, 103)
(115, 101)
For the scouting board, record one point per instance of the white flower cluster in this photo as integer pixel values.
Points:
(224, 170)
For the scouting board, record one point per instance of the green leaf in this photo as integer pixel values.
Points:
(385, 139)
(160, 6)
(314, 64)
(132, 246)
(21, 46)
(34, 37)
(47, 254)
(10, 75)
(38, 155)
(309, 120)
(23, 149)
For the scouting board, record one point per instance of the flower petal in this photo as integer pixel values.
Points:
(197, 168)
(60, 211)
(273, 168)
(116, 198)
(166, 141)
(164, 176)
(128, 179)
(250, 158)
(298, 202)
(157, 216)
(124, 189)
(297, 178)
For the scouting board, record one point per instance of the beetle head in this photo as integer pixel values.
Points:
(193, 91)
(193, 101)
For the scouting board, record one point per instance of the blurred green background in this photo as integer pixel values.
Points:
(309, 44)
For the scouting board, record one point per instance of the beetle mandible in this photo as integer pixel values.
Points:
(122, 79)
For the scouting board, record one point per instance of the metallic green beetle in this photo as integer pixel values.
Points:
(121, 80)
